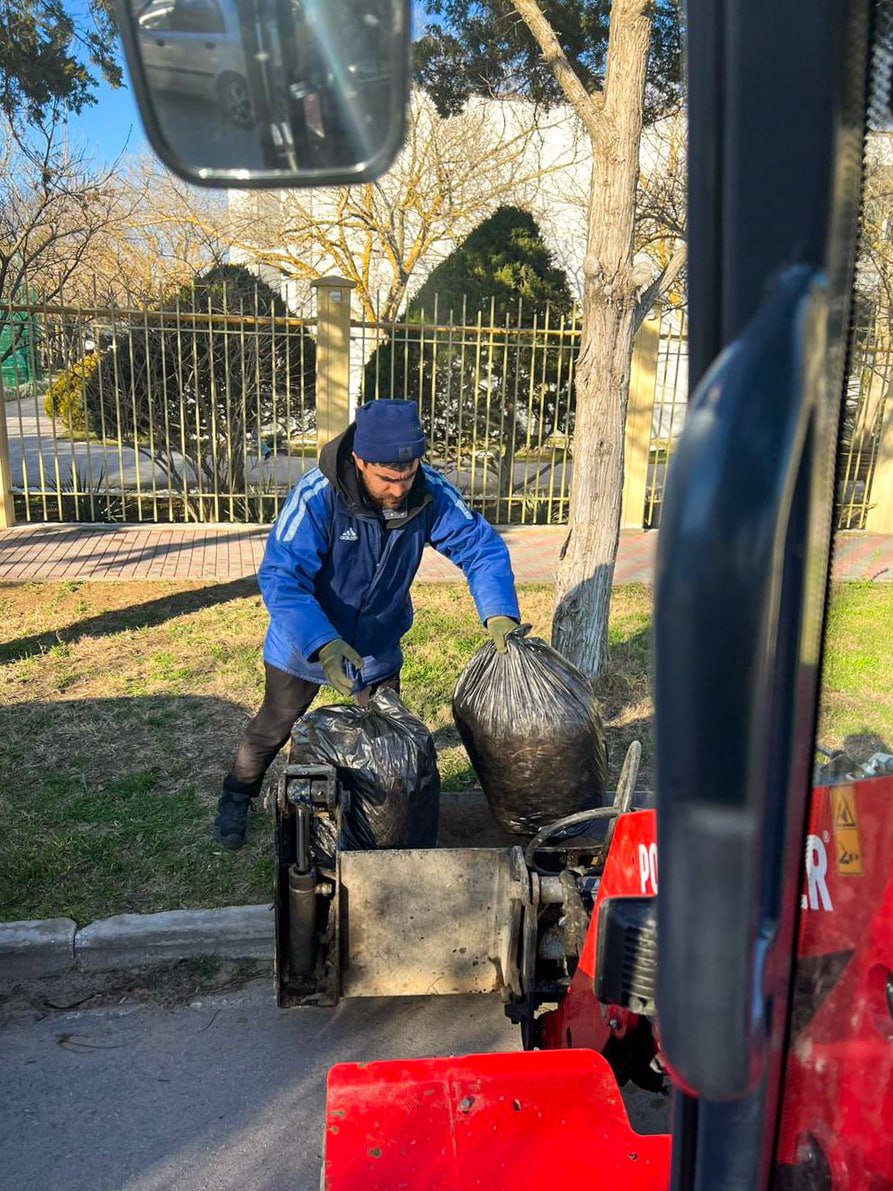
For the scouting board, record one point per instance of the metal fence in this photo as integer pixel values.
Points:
(189, 413)
(496, 397)
(206, 412)
(866, 408)
(670, 407)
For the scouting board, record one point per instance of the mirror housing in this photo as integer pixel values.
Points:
(270, 93)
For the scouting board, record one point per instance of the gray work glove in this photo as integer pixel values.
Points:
(332, 657)
(499, 628)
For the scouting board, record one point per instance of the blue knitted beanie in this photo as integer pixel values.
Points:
(389, 431)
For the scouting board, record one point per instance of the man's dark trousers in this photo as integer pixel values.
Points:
(286, 698)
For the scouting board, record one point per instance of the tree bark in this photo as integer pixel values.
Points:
(586, 569)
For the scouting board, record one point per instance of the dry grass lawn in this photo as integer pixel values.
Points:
(121, 705)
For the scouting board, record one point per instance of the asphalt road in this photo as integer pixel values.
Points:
(226, 1093)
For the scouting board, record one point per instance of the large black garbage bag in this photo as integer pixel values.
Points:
(387, 776)
(531, 726)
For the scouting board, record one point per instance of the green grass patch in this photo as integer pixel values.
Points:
(121, 706)
(857, 679)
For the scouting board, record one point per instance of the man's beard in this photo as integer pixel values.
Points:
(389, 502)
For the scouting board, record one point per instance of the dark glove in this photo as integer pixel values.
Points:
(499, 627)
(332, 657)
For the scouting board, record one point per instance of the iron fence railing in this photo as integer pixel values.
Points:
(670, 406)
(188, 413)
(496, 397)
(868, 388)
(199, 411)
(865, 405)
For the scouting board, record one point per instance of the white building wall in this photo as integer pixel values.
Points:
(556, 168)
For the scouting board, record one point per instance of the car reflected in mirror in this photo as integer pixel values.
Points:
(271, 92)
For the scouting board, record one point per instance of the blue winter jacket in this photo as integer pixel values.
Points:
(333, 567)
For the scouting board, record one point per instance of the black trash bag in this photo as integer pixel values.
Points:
(386, 767)
(531, 727)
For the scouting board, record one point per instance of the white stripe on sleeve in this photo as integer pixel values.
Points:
(296, 507)
(452, 495)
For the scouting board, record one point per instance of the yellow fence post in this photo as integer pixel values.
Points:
(7, 509)
(332, 357)
(639, 414)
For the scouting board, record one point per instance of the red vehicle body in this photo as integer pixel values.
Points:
(520, 1119)
(839, 1076)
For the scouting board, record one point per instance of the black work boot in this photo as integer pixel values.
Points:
(232, 813)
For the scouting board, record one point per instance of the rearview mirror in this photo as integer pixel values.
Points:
(289, 93)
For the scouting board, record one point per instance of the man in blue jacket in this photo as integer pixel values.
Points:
(335, 579)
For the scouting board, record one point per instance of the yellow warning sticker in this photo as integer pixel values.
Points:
(847, 845)
(843, 801)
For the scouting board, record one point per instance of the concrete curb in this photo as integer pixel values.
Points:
(36, 948)
(32, 950)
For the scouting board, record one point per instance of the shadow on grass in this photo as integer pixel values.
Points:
(135, 616)
(107, 807)
(626, 677)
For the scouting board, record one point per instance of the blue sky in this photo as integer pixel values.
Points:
(104, 126)
(110, 124)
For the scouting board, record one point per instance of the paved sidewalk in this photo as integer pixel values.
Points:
(223, 553)
(227, 552)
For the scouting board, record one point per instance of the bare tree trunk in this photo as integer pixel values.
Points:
(586, 569)
(505, 467)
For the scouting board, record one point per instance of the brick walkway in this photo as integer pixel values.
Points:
(226, 552)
